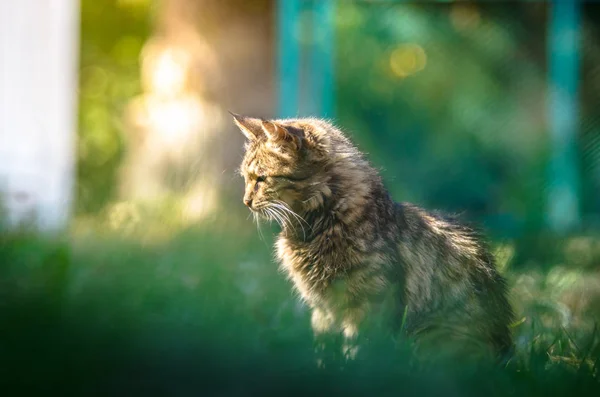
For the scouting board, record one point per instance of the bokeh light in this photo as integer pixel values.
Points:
(407, 59)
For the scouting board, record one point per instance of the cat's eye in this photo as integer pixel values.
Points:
(258, 180)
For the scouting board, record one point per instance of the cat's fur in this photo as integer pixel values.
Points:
(345, 243)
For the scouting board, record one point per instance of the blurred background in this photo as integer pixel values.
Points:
(454, 100)
(115, 138)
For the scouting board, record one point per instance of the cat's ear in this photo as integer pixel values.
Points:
(250, 127)
(280, 134)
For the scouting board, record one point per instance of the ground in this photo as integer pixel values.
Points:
(157, 308)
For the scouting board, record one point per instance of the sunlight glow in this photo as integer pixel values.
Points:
(171, 123)
(166, 71)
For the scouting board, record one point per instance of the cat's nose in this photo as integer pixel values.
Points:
(248, 202)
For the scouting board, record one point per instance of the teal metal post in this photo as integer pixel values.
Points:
(322, 67)
(288, 19)
(563, 49)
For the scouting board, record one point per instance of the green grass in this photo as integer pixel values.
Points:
(159, 309)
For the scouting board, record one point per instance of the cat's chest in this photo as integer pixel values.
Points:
(327, 276)
(312, 269)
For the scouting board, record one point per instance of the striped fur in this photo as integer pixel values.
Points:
(346, 245)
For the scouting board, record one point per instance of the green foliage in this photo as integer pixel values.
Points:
(205, 311)
(438, 101)
(109, 79)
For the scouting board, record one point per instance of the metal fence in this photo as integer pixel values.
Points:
(487, 107)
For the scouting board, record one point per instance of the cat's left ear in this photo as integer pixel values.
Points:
(281, 134)
(250, 127)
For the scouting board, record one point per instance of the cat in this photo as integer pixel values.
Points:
(346, 244)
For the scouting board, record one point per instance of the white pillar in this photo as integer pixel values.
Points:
(38, 103)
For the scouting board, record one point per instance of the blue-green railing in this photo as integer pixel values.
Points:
(306, 38)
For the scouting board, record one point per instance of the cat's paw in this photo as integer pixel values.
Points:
(349, 351)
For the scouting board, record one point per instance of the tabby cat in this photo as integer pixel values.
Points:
(345, 244)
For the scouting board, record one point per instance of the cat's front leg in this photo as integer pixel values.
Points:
(351, 321)
(323, 323)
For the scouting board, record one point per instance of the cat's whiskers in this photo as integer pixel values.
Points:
(286, 209)
(280, 218)
(285, 217)
(271, 215)
(256, 219)
(268, 215)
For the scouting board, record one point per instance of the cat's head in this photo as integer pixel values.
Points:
(284, 164)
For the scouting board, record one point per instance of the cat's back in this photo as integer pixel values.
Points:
(451, 287)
